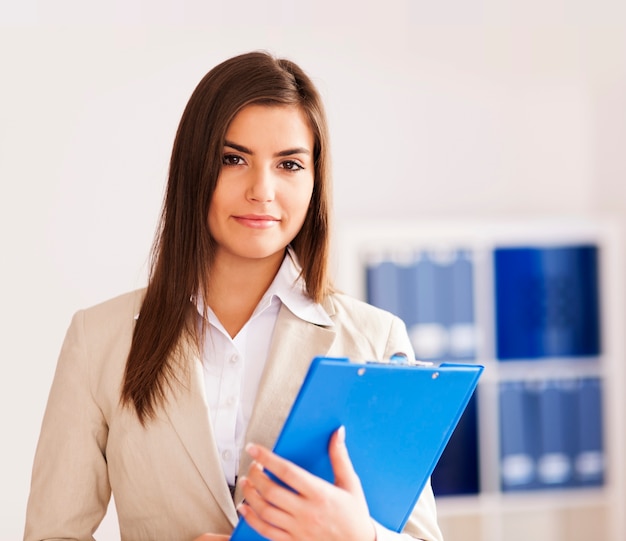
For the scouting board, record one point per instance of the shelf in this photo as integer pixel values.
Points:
(541, 513)
(521, 501)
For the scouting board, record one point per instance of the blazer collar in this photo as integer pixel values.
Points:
(188, 414)
(294, 345)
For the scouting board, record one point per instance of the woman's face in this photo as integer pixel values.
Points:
(265, 184)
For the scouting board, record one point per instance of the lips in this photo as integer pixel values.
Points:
(257, 221)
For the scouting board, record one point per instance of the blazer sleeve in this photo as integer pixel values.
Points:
(70, 489)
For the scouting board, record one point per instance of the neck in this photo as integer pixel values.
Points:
(237, 285)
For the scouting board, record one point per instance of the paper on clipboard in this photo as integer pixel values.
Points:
(398, 420)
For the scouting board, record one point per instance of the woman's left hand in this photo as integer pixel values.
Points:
(317, 509)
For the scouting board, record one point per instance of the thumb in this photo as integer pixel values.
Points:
(345, 476)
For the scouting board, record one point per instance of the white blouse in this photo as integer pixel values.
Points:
(233, 366)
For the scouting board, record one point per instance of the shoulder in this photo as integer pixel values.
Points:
(123, 309)
(365, 330)
(344, 306)
(123, 304)
(111, 320)
(95, 349)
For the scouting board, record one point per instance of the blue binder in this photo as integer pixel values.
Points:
(463, 331)
(555, 458)
(458, 471)
(519, 425)
(429, 335)
(383, 286)
(424, 287)
(408, 293)
(589, 460)
(547, 302)
(398, 420)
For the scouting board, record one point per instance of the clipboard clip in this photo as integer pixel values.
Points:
(402, 358)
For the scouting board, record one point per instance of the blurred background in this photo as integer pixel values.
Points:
(451, 111)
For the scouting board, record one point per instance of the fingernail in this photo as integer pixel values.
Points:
(252, 450)
(341, 434)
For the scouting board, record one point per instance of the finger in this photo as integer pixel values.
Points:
(274, 493)
(345, 476)
(261, 508)
(266, 529)
(298, 479)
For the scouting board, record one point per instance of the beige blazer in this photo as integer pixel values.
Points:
(166, 478)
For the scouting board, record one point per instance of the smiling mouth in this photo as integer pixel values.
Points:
(256, 221)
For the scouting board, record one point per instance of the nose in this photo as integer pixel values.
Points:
(261, 188)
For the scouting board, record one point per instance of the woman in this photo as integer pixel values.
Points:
(171, 397)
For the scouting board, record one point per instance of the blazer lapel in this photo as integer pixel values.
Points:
(188, 413)
(294, 345)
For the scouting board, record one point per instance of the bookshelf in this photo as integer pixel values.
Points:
(551, 509)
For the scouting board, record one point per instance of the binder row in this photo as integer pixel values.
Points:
(546, 301)
(545, 305)
(433, 293)
(551, 434)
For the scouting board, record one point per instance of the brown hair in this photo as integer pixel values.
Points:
(183, 248)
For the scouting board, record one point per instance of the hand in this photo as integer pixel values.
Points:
(212, 537)
(317, 509)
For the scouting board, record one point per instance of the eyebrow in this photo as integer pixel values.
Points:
(282, 153)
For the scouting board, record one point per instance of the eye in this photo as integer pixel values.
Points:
(232, 159)
(291, 165)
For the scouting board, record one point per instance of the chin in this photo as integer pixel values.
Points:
(260, 252)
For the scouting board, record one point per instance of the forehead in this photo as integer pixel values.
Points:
(271, 125)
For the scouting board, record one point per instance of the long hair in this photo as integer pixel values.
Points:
(183, 249)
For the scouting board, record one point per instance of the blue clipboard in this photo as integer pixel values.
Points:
(398, 419)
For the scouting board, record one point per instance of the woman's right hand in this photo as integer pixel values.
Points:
(212, 537)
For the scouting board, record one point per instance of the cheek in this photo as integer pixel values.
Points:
(219, 200)
(213, 214)
(306, 195)
(300, 206)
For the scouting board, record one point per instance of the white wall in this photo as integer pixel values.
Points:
(437, 109)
